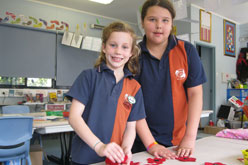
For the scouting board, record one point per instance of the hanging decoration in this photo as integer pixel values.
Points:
(32, 21)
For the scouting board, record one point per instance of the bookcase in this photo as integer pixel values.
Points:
(241, 94)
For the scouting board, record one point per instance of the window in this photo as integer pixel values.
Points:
(39, 82)
(23, 82)
(12, 81)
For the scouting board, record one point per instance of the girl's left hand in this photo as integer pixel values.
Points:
(160, 151)
(186, 148)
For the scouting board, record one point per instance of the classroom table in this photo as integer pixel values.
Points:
(209, 149)
(61, 126)
(52, 124)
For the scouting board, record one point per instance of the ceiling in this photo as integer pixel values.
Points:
(126, 10)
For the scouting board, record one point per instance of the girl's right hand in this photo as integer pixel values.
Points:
(111, 150)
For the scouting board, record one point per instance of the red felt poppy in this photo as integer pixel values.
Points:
(216, 163)
(109, 162)
(186, 159)
(156, 160)
(134, 163)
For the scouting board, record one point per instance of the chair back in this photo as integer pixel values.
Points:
(10, 109)
(16, 133)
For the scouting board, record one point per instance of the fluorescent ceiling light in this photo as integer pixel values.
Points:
(102, 1)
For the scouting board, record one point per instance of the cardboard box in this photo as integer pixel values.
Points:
(213, 129)
(36, 154)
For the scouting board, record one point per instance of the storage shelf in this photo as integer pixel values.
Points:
(241, 94)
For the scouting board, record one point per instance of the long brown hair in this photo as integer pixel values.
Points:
(133, 62)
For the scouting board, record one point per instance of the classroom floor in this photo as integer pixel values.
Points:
(51, 145)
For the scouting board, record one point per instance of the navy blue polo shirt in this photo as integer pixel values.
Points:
(156, 87)
(98, 91)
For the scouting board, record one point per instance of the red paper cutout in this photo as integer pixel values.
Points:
(134, 163)
(156, 160)
(109, 162)
(186, 159)
(216, 163)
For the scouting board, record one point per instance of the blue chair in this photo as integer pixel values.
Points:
(15, 109)
(16, 133)
(10, 109)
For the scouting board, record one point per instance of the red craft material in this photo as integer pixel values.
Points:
(109, 162)
(216, 163)
(134, 163)
(156, 160)
(186, 159)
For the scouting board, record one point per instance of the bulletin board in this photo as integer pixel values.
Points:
(205, 26)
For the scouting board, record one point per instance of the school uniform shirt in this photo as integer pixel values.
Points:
(164, 83)
(108, 108)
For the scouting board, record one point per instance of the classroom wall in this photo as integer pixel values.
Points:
(183, 27)
(45, 12)
(223, 64)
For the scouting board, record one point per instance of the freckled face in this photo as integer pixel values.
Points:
(157, 25)
(118, 50)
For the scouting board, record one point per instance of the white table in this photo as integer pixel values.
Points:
(60, 126)
(48, 127)
(209, 149)
(206, 113)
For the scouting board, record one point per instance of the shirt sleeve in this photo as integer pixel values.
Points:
(196, 74)
(138, 109)
(80, 88)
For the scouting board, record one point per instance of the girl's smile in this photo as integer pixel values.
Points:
(118, 50)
